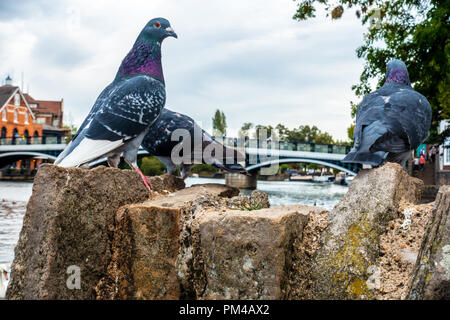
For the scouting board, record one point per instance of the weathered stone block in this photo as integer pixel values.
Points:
(431, 276)
(147, 241)
(68, 222)
(345, 265)
(166, 183)
(249, 254)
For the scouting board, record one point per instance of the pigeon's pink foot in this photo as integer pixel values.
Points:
(147, 183)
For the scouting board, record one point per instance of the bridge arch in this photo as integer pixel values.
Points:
(301, 160)
(26, 153)
(11, 157)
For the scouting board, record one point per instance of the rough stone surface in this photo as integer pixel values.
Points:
(345, 264)
(147, 241)
(166, 183)
(241, 254)
(256, 200)
(431, 276)
(69, 222)
(399, 248)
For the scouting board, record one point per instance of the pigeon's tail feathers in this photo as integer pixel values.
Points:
(372, 158)
(363, 152)
(390, 143)
(63, 154)
(400, 157)
(88, 150)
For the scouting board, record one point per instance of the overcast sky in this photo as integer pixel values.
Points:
(247, 58)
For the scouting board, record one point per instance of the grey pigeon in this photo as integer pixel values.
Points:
(391, 121)
(125, 110)
(158, 142)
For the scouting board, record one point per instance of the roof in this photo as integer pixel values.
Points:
(45, 106)
(46, 127)
(29, 98)
(6, 93)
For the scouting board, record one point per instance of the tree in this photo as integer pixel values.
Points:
(219, 123)
(150, 166)
(259, 131)
(411, 30)
(244, 131)
(71, 133)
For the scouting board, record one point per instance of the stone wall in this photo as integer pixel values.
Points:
(208, 242)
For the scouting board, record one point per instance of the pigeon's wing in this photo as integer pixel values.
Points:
(413, 112)
(158, 140)
(126, 113)
(102, 98)
(95, 108)
(401, 117)
(406, 115)
(222, 156)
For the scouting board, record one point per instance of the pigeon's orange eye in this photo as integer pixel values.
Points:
(157, 24)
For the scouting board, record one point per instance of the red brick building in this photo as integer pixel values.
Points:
(50, 115)
(24, 120)
(17, 120)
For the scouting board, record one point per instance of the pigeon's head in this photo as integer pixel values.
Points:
(396, 71)
(158, 29)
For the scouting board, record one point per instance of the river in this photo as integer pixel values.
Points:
(14, 195)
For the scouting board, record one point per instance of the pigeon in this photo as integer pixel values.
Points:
(158, 142)
(124, 111)
(391, 121)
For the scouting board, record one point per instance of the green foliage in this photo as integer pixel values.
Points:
(198, 168)
(284, 167)
(411, 30)
(71, 133)
(350, 131)
(263, 131)
(303, 133)
(250, 207)
(307, 134)
(150, 166)
(219, 123)
(245, 128)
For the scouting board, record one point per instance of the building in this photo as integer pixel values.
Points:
(25, 120)
(442, 168)
(50, 115)
(444, 149)
(17, 120)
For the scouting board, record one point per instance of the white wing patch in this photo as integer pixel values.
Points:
(89, 150)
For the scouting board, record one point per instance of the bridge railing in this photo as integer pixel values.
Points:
(285, 145)
(22, 140)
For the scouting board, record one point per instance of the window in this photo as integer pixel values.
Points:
(17, 99)
(16, 116)
(26, 118)
(40, 120)
(446, 147)
(4, 115)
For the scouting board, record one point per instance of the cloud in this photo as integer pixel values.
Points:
(25, 9)
(248, 58)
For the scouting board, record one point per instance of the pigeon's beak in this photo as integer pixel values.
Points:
(171, 33)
